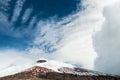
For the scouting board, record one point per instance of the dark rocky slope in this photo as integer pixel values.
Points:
(41, 73)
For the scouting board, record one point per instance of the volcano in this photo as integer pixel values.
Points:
(47, 70)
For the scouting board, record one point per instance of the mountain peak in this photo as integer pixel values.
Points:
(42, 73)
(37, 69)
(44, 69)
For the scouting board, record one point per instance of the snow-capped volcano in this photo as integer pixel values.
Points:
(51, 70)
(46, 66)
(50, 64)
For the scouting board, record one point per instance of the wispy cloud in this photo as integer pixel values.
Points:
(75, 45)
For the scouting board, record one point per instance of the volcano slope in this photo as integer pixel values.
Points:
(65, 73)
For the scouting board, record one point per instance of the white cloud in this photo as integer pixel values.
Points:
(76, 45)
(107, 41)
(12, 57)
(77, 37)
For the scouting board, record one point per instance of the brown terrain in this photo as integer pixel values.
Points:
(41, 73)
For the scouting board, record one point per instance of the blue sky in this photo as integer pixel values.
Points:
(40, 10)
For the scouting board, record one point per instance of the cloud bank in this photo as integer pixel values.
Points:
(107, 41)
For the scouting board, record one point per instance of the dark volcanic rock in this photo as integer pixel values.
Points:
(41, 73)
(57, 76)
(36, 70)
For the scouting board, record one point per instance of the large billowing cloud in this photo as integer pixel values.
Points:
(107, 41)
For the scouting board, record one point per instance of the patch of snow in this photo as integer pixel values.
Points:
(54, 65)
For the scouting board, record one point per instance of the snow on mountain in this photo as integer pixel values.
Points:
(80, 71)
(54, 65)
(16, 67)
(13, 69)
(44, 65)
